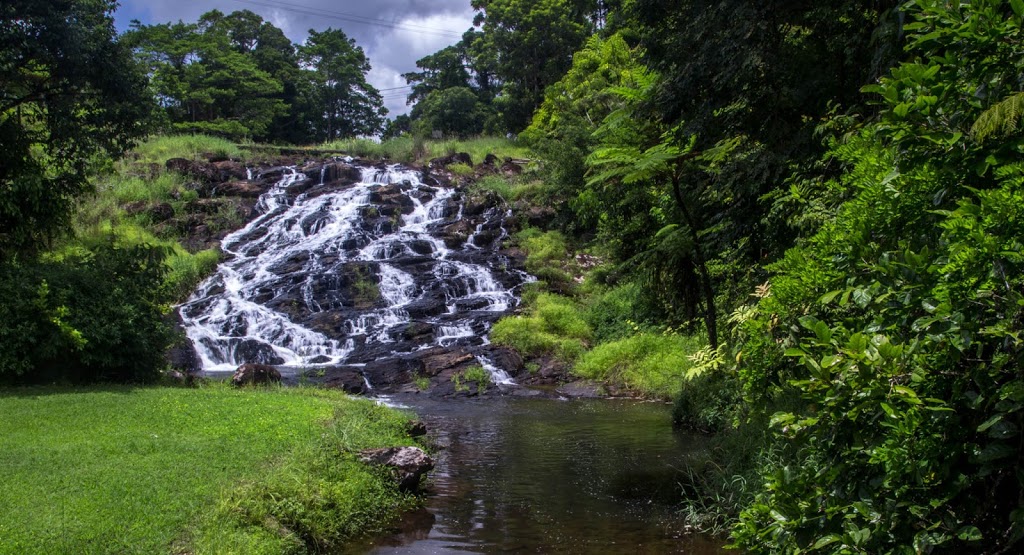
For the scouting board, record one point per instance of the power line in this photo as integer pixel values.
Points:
(353, 18)
(396, 88)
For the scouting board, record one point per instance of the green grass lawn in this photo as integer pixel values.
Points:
(207, 470)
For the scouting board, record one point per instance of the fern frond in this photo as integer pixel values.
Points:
(1002, 118)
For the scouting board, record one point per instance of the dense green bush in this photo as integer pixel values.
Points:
(555, 326)
(656, 364)
(898, 325)
(88, 316)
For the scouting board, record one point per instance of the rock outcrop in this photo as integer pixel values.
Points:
(255, 374)
(408, 464)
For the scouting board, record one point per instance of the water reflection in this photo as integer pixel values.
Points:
(543, 476)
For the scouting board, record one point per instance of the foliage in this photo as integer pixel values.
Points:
(898, 323)
(564, 124)
(651, 363)
(72, 97)
(89, 316)
(125, 469)
(158, 149)
(416, 150)
(554, 327)
(532, 43)
(238, 76)
(344, 103)
(442, 70)
(474, 374)
(454, 111)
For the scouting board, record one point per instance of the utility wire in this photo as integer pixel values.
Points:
(353, 18)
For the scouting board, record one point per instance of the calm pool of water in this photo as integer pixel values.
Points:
(517, 475)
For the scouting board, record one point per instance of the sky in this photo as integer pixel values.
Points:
(394, 33)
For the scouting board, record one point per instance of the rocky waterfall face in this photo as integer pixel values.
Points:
(360, 277)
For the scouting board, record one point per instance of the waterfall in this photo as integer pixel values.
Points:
(330, 274)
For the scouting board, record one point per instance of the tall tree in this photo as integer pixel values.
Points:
(229, 75)
(346, 104)
(532, 43)
(443, 69)
(71, 94)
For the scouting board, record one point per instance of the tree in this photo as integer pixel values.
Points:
(443, 69)
(71, 96)
(224, 75)
(895, 331)
(346, 104)
(401, 125)
(532, 43)
(454, 111)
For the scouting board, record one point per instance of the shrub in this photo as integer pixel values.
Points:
(475, 374)
(555, 326)
(650, 363)
(87, 316)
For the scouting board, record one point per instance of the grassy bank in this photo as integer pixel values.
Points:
(208, 470)
(406, 149)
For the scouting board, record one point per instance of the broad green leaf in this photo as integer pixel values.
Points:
(990, 422)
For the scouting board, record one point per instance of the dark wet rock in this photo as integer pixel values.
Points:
(345, 378)
(418, 331)
(409, 464)
(389, 373)
(201, 171)
(182, 357)
(272, 174)
(230, 169)
(343, 174)
(536, 216)
(161, 212)
(507, 359)
(490, 160)
(585, 389)
(455, 158)
(255, 374)
(416, 428)
(253, 351)
(437, 360)
(247, 189)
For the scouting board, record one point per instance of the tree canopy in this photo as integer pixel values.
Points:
(238, 76)
(71, 96)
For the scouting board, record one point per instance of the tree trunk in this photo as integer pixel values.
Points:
(710, 314)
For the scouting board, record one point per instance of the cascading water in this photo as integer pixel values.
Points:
(331, 274)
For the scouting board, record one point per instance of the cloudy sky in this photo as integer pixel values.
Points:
(394, 33)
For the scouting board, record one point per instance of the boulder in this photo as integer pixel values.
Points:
(346, 379)
(203, 172)
(230, 169)
(409, 464)
(247, 189)
(161, 212)
(255, 374)
(439, 359)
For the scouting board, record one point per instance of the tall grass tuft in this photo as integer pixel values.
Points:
(159, 149)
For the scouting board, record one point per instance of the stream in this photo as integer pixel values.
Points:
(526, 475)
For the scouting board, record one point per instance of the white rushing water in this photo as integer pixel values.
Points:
(315, 277)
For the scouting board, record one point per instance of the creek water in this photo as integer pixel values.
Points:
(527, 475)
